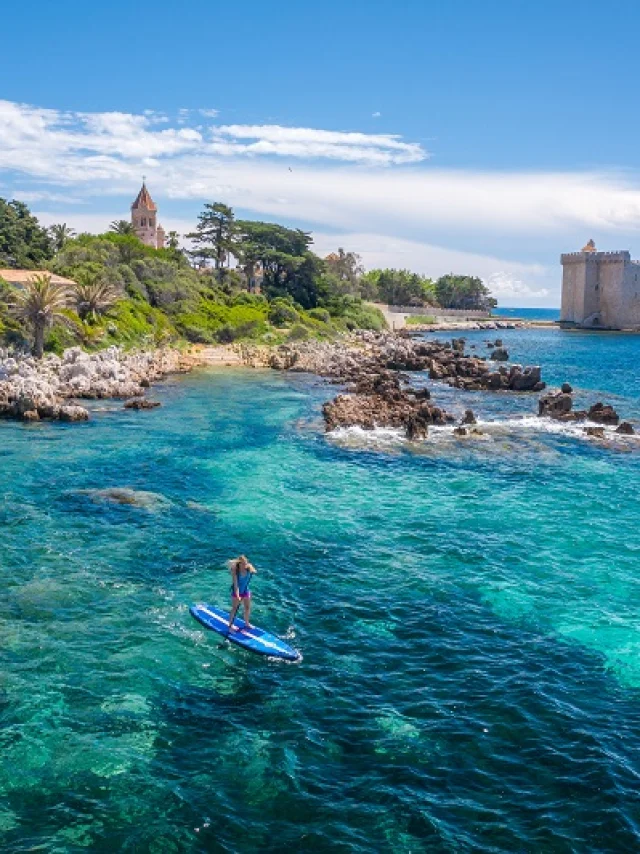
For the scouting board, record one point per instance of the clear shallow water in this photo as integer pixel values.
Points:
(467, 612)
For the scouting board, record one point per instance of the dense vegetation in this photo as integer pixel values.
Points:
(241, 279)
(24, 243)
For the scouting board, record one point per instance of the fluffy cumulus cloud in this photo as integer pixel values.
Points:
(351, 183)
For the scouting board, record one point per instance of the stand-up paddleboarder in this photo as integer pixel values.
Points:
(241, 572)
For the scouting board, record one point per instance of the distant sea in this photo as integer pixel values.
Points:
(528, 313)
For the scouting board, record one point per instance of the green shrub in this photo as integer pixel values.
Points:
(59, 338)
(245, 298)
(135, 322)
(250, 329)
(201, 322)
(420, 319)
(320, 314)
(282, 313)
(196, 332)
(298, 332)
(12, 333)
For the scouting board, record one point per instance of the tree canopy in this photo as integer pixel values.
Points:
(463, 292)
(346, 267)
(24, 243)
(289, 267)
(128, 292)
(214, 237)
(399, 287)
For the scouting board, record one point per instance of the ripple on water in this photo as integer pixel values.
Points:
(467, 611)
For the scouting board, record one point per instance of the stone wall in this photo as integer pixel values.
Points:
(435, 312)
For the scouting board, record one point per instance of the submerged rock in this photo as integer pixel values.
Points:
(596, 432)
(141, 403)
(625, 428)
(126, 496)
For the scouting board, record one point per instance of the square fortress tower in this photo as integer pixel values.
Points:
(600, 290)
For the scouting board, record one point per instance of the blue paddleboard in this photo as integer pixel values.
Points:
(256, 640)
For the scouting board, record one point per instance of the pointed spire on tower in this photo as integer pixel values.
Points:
(143, 199)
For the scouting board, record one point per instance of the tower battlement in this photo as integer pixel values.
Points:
(581, 257)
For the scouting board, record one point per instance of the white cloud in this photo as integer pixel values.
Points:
(355, 188)
(30, 196)
(105, 153)
(374, 149)
(67, 146)
(355, 183)
(209, 114)
(376, 115)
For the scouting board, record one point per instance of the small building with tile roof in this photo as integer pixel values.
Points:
(18, 278)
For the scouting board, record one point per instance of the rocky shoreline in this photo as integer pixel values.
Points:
(470, 325)
(50, 388)
(374, 368)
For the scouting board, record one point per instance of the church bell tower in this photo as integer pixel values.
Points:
(144, 217)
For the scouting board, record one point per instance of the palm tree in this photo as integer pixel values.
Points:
(60, 232)
(93, 296)
(173, 240)
(122, 226)
(88, 334)
(40, 304)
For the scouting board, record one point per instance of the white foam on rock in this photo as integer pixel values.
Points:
(386, 438)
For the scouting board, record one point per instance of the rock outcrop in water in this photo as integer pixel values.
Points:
(371, 365)
(370, 352)
(603, 413)
(559, 405)
(380, 400)
(32, 389)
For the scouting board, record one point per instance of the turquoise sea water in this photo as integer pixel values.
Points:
(467, 612)
(527, 313)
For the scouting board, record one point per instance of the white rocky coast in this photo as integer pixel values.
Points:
(32, 389)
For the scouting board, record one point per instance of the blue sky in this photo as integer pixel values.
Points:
(480, 137)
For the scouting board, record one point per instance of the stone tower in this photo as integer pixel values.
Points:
(144, 217)
(600, 290)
